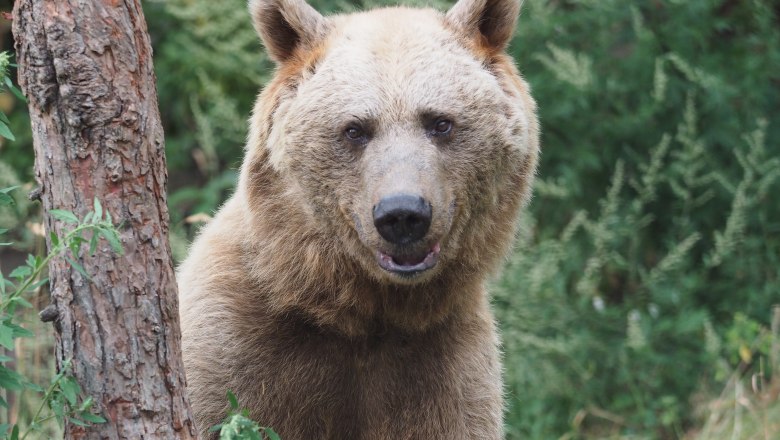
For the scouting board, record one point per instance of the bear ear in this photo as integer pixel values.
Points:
(494, 20)
(284, 25)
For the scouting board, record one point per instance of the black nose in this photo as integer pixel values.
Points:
(402, 218)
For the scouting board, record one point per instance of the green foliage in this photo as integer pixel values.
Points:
(62, 396)
(11, 213)
(7, 84)
(209, 71)
(238, 426)
(15, 160)
(623, 303)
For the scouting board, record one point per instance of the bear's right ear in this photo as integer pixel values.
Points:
(283, 25)
(493, 20)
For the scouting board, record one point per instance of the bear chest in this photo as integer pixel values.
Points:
(372, 387)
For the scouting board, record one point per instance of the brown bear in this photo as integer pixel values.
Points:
(340, 292)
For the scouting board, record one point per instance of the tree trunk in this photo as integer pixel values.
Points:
(86, 68)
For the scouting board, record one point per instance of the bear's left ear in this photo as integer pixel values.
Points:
(284, 25)
(494, 20)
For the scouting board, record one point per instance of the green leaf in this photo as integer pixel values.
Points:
(34, 387)
(15, 433)
(98, 208)
(18, 93)
(74, 247)
(9, 189)
(88, 217)
(78, 267)
(66, 216)
(21, 301)
(6, 132)
(4, 283)
(6, 200)
(215, 428)
(3, 231)
(34, 286)
(93, 244)
(4, 358)
(92, 418)
(55, 241)
(6, 336)
(20, 332)
(272, 435)
(86, 404)
(21, 272)
(232, 400)
(32, 261)
(113, 239)
(78, 422)
(58, 408)
(11, 380)
(70, 389)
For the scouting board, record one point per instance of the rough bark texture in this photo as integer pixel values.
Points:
(86, 68)
(775, 353)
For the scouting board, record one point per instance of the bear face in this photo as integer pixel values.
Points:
(404, 134)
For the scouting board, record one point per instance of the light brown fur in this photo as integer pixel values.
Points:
(282, 300)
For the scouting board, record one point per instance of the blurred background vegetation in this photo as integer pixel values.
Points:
(639, 301)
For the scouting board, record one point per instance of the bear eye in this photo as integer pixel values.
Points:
(441, 127)
(355, 133)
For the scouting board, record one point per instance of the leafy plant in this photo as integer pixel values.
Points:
(61, 397)
(238, 426)
(7, 84)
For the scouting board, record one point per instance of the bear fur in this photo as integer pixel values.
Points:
(284, 298)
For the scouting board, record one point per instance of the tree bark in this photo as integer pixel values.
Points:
(86, 68)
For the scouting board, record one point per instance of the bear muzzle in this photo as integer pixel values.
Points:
(404, 220)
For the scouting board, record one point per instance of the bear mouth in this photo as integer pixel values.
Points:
(408, 265)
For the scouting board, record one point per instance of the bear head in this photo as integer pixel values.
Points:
(405, 135)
